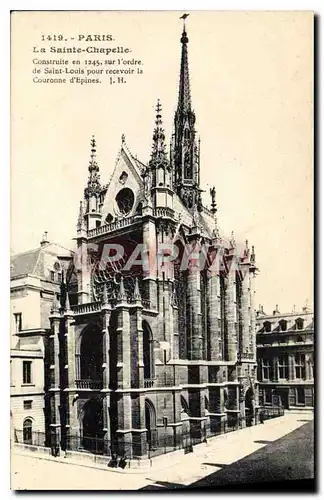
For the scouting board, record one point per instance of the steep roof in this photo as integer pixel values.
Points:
(24, 263)
(32, 262)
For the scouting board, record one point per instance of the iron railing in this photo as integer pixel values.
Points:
(157, 443)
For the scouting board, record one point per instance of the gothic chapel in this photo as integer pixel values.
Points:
(144, 356)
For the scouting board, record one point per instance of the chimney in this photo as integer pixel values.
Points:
(276, 311)
(44, 240)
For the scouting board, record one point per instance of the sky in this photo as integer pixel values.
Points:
(251, 77)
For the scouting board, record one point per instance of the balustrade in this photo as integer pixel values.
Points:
(88, 384)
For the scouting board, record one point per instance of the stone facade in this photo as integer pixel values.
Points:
(161, 343)
(285, 352)
(35, 278)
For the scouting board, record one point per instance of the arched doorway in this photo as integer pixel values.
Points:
(148, 351)
(92, 426)
(91, 355)
(28, 431)
(150, 423)
(249, 407)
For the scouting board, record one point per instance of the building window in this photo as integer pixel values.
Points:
(283, 325)
(267, 396)
(28, 405)
(300, 396)
(27, 378)
(266, 369)
(18, 322)
(52, 276)
(283, 367)
(300, 366)
(267, 326)
(28, 431)
(59, 277)
(299, 324)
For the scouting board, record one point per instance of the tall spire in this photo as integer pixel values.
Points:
(184, 100)
(185, 152)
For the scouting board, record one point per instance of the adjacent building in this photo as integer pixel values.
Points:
(35, 279)
(152, 353)
(285, 351)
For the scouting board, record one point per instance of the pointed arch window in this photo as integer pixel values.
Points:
(148, 352)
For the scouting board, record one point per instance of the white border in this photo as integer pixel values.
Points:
(314, 5)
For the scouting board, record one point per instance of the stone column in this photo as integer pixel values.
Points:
(193, 281)
(72, 423)
(230, 311)
(214, 315)
(175, 314)
(252, 313)
(124, 408)
(139, 332)
(139, 432)
(150, 264)
(82, 267)
(245, 301)
(55, 417)
(106, 315)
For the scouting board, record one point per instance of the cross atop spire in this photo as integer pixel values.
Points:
(213, 200)
(93, 165)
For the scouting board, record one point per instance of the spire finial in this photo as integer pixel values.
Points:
(94, 186)
(123, 138)
(93, 166)
(137, 294)
(213, 200)
(121, 294)
(55, 307)
(184, 103)
(158, 154)
(252, 254)
(67, 302)
(232, 240)
(81, 221)
(184, 17)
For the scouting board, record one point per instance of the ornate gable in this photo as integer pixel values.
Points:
(125, 190)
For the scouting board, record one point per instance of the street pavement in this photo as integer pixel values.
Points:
(289, 458)
(31, 472)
